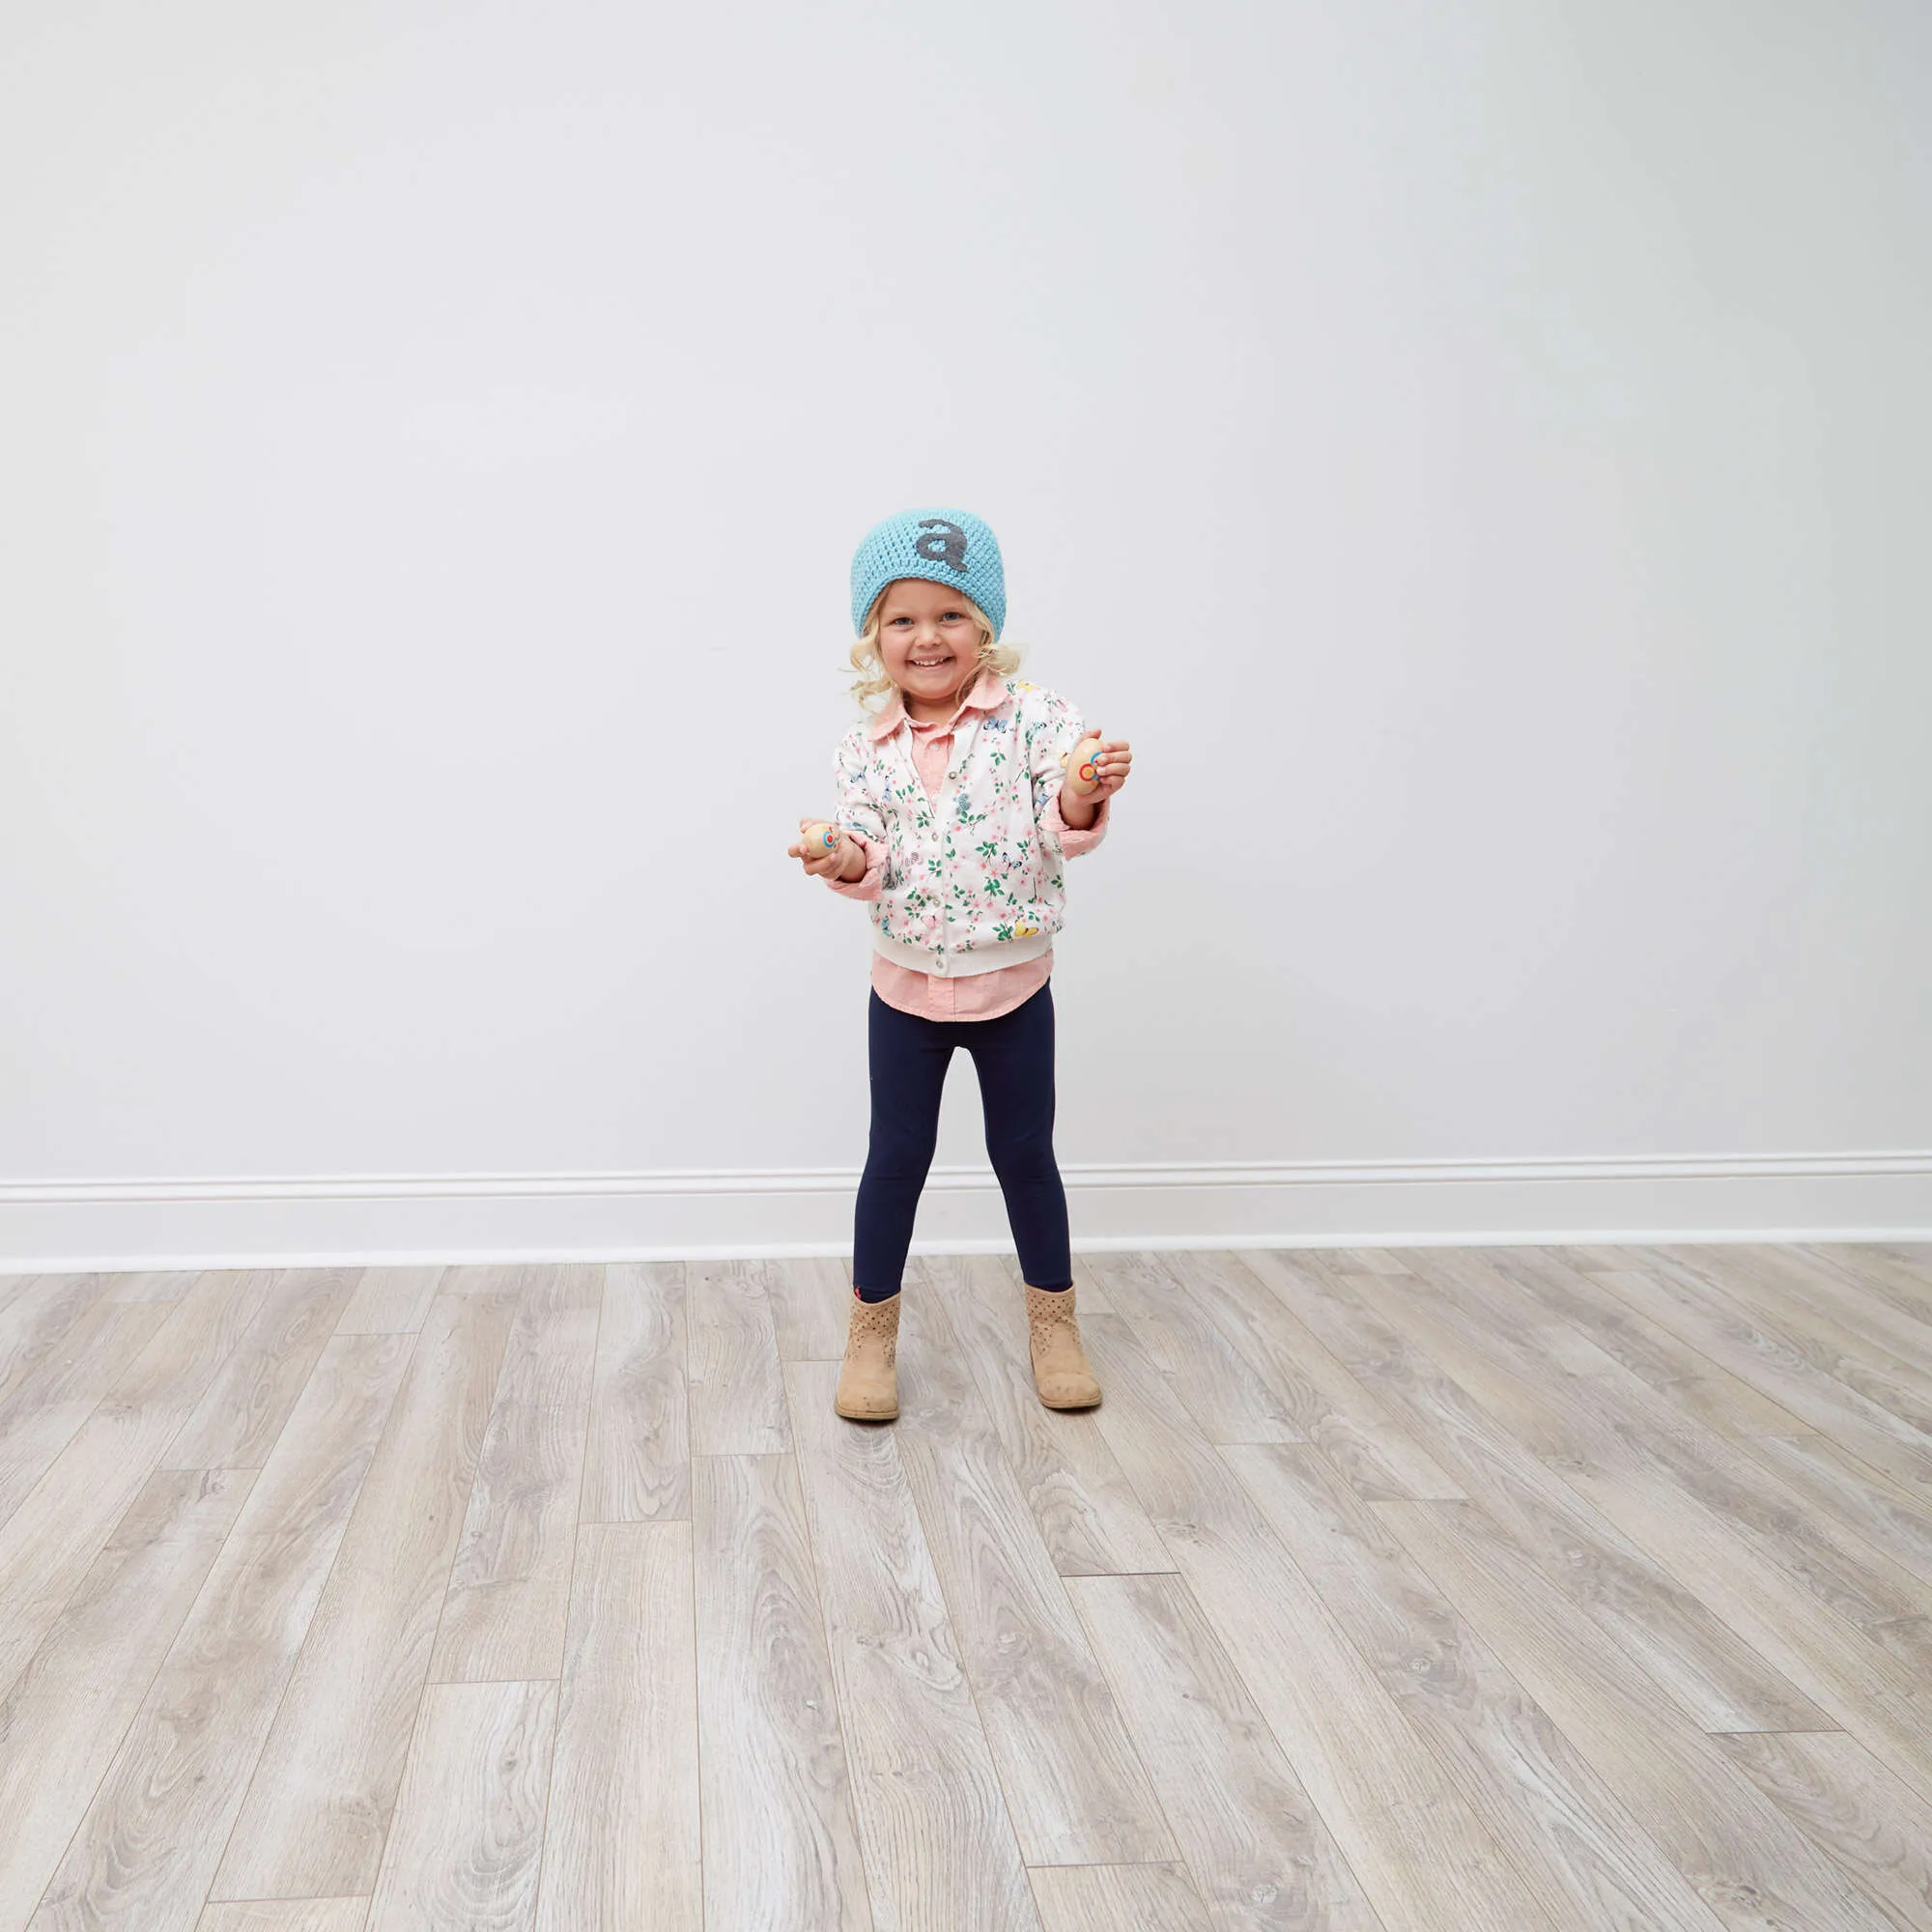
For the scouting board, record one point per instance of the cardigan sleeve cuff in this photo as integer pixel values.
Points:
(867, 886)
(1074, 840)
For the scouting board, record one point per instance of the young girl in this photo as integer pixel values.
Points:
(957, 811)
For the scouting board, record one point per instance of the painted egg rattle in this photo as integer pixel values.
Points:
(1083, 769)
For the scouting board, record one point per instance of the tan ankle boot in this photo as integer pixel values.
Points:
(868, 1384)
(1059, 1367)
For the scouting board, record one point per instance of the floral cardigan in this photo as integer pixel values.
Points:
(973, 879)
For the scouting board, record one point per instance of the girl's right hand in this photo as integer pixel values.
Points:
(819, 857)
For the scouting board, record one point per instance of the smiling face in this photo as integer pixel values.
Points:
(929, 645)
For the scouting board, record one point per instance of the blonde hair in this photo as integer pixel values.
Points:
(875, 681)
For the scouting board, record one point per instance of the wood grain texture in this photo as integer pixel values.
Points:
(842, 1685)
(390, 1301)
(1329, 1406)
(737, 1382)
(1685, 1649)
(1593, 1258)
(939, 1848)
(1780, 1303)
(1226, 1394)
(1265, 1861)
(508, 1596)
(146, 1850)
(1367, 1260)
(1591, 1864)
(288, 1915)
(149, 1285)
(1851, 1807)
(235, 1422)
(1091, 1519)
(1745, 1860)
(1874, 1273)
(1814, 1475)
(780, 1848)
(1873, 1684)
(504, 1611)
(1687, 1378)
(638, 1464)
(65, 1717)
(468, 1838)
(1418, 1850)
(622, 1848)
(811, 1300)
(1074, 1789)
(42, 1312)
(65, 1521)
(491, 1279)
(314, 1819)
(1837, 1619)
(551, 1350)
(1831, 1485)
(1696, 1310)
(1587, 1414)
(1840, 1315)
(50, 1402)
(1119, 1898)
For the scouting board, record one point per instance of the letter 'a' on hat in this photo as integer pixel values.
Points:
(951, 547)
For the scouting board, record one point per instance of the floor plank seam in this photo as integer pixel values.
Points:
(1632, 1822)
(697, 1718)
(321, 1596)
(1148, 1771)
(1857, 1643)
(1753, 1443)
(571, 1583)
(113, 1757)
(557, 1728)
(1073, 1577)
(1500, 1421)
(1765, 1547)
(54, 1630)
(1845, 1525)
(1258, 1703)
(1784, 1731)
(1013, 1821)
(861, 1831)
(1745, 1313)
(691, 1516)
(113, 1528)
(1534, 1885)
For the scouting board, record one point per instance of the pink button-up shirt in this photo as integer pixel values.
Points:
(975, 996)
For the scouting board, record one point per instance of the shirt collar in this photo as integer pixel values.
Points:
(988, 693)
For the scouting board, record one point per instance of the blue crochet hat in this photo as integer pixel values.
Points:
(950, 547)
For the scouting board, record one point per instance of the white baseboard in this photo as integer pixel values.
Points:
(70, 1226)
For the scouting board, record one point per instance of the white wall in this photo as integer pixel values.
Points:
(1479, 454)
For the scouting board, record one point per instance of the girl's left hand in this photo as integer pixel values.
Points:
(1111, 764)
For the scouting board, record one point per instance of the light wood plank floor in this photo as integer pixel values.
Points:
(1457, 1590)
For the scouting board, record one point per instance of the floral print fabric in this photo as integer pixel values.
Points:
(974, 878)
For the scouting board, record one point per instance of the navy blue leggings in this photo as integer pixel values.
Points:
(1013, 1058)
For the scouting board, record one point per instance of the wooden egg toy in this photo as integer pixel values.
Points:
(1083, 775)
(819, 841)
